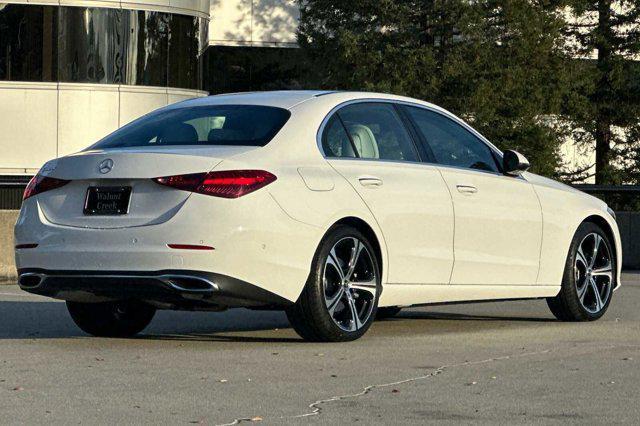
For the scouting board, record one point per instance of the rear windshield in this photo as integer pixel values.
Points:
(241, 125)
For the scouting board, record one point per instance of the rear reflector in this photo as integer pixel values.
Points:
(225, 184)
(26, 246)
(39, 184)
(189, 247)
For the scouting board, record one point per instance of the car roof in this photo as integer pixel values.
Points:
(288, 99)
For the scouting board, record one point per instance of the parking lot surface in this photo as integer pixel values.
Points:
(505, 363)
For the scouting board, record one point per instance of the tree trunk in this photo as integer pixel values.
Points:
(603, 125)
(603, 153)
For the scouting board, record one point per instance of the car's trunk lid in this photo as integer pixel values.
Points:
(113, 170)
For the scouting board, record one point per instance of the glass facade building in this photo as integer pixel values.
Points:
(71, 72)
(101, 45)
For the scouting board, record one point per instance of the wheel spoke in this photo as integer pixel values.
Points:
(597, 296)
(332, 302)
(335, 263)
(356, 324)
(581, 257)
(582, 291)
(353, 261)
(596, 249)
(367, 286)
(605, 271)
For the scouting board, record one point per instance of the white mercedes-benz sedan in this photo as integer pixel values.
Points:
(335, 207)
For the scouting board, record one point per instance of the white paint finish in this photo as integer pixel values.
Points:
(413, 208)
(40, 121)
(317, 178)
(268, 238)
(28, 119)
(407, 295)
(256, 248)
(498, 228)
(564, 209)
(254, 22)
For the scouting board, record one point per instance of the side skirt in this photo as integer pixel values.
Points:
(416, 294)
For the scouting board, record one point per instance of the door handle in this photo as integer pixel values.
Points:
(467, 189)
(370, 181)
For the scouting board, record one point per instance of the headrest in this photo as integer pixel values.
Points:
(364, 140)
(179, 133)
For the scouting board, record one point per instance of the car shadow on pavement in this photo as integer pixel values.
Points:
(50, 320)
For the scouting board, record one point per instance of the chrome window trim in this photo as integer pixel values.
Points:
(446, 114)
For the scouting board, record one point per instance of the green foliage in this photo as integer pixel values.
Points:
(496, 63)
(607, 103)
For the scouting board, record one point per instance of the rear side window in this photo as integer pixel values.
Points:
(452, 144)
(369, 130)
(335, 140)
(241, 125)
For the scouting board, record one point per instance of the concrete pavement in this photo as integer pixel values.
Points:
(489, 363)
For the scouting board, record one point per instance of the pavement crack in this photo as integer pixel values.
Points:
(316, 407)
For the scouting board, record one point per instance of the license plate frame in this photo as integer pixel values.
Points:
(107, 201)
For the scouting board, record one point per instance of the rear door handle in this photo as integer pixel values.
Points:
(370, 181)
(467, 189)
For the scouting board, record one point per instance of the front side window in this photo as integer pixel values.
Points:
(239, 125)
(375, 132)
(452, 144)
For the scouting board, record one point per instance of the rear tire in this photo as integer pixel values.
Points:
(388, 312)
(589, 277)
(340, 299)
(111, 319)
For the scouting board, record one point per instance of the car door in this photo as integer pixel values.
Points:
(498, 218)
(370, 146)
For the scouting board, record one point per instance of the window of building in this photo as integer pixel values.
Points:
(147, 53)
(27, 42)
(245, 69)
(100, 45)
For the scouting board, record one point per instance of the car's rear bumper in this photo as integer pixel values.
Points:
(169, 289)
(251, 239)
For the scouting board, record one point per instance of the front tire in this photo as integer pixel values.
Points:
(111, 319)
(589, 277)
(340, 299)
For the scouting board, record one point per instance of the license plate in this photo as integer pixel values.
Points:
(107, 201)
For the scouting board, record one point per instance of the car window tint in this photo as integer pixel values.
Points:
(335, 140)
(452, 144)
(242, 125)
(377, 132)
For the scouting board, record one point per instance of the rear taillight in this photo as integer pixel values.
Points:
(39, 184)
(225, 184)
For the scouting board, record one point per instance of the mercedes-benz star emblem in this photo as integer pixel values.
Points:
(106, 166)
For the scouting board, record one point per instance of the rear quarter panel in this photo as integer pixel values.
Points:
(307, 189)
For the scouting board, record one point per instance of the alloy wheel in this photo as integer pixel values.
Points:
(593, 270)
(350, 284)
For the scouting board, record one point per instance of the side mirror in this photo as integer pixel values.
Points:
(514, 163)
